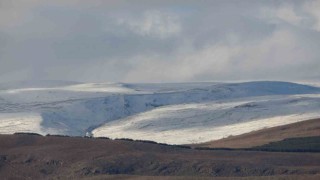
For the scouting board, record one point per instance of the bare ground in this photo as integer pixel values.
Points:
(37, 157)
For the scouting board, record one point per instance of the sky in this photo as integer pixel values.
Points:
(159, 40)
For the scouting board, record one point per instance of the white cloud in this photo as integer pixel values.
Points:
(313, 8)
(285, 13)
(156, 23)
(279, 53)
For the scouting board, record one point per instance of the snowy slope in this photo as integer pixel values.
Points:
(74, 108)
(59, 108)
(201, 122)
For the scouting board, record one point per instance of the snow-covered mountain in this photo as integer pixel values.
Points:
(202, 122)
(171, 113)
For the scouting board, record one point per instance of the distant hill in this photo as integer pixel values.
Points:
(162, 112)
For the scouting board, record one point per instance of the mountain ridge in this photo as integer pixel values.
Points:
(74, 109)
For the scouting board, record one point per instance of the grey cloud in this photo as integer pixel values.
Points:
(161, 41)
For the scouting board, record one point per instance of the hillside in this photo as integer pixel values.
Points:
(212, 120)
(257, 138)
(297, 144)
(36, 157)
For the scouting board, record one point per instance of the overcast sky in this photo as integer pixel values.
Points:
(158, 40)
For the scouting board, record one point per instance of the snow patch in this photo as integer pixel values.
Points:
(20, 122)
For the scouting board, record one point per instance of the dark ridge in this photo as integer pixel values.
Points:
(102, 138)
(57, 135)
(27, 133)
(301, 144)
(147, 141)
(153, 142)
(123, 139)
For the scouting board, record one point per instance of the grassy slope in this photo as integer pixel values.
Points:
(265, 136)
(300, 144)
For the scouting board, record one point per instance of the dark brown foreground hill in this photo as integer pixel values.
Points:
(37, 157)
